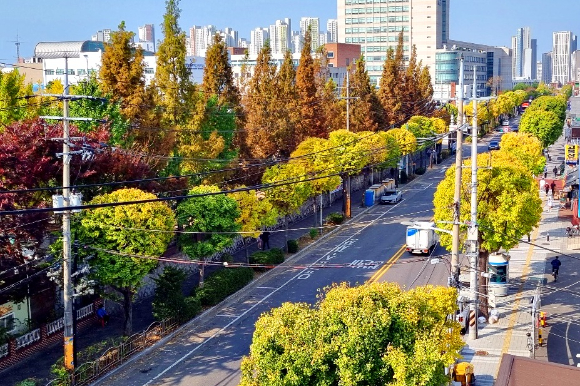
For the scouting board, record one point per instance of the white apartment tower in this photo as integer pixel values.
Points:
(332, 30)
(258, 38)
(147, 35)
(424, 23)
(314, 24)
(563, 45)
(230, 37)
(280, 36)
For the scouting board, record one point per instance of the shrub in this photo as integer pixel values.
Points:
(335, 218)
(292, 246)
(272, 256)
(313, 233)
(169, 300)
(222, 284)
(227, 258)
(420, 171)
(445, 153)
(29, 382)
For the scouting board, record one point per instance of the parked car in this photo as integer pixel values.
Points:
(391, 197)
(505, 122)
(493, 145)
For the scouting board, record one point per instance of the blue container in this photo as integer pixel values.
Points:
(369, 198)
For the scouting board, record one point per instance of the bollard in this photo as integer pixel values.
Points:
(540, 340)
(542, 319)
(547, 237)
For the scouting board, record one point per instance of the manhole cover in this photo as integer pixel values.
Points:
(481, 353)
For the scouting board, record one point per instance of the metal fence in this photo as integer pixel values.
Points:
(113, 357)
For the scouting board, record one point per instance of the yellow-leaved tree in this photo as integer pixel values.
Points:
(508, 205)
(526, 148)
(374, 334)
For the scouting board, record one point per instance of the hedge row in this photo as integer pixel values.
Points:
(222, 284)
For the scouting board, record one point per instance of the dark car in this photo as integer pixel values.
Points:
(493, 145)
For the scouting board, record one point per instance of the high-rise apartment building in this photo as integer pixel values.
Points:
(258, 38)
(314, 24)
(424, 23)
(280, 36)
(200, 39)
(546, 68)
(563, 45)
(230, 37)
(332, 30)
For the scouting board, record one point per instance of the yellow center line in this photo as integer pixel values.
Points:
(516, 305)
(388, 264)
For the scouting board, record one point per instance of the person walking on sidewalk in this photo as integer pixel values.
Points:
(265, 237)
(542, 184)
(545, 172)
(547, 188)
(553, 187)
(102, 315)
(555, 170)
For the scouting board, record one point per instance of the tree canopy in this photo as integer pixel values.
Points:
(126, 230)
(526, 148)
(374, 334)
(544, 125)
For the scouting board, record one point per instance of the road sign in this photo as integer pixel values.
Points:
(572, 154)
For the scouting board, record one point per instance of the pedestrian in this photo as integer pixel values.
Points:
(265, 236)
(547, 188)
(259, 242)
(556, 263)
(542, 184)
(555, 170)
(102, 315)
(545, 172)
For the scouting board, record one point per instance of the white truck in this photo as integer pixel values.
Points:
(421, 237)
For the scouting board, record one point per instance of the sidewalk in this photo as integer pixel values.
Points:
(527, 272)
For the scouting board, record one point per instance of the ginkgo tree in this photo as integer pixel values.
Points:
(526, 148)
(374, 334)
(508, 205)
(120, 242)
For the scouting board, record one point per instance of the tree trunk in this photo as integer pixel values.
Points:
(482, 283)
(128, 311)
(314, 212)
(285, 233)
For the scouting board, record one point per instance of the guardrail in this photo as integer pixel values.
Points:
(27, 339)
(90, 371)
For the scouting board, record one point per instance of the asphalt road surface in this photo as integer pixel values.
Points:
(208, 351)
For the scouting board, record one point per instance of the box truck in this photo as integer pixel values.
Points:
(421, 237)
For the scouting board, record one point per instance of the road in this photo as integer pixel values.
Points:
(208, 351)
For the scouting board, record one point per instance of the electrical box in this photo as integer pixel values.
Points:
(57, 201)
(76, 199)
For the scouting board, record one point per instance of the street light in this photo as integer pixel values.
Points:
(87, 59)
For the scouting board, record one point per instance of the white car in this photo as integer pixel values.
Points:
(391, 197)
(505, 123)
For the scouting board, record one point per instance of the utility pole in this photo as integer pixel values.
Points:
(66, 237)
(473, 233)
(346, 178)
(458, 173)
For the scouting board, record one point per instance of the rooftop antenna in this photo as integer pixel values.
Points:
(17, 43)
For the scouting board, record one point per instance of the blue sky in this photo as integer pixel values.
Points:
(486, 21)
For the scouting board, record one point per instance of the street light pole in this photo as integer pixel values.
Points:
(458, 173)
(473, 231)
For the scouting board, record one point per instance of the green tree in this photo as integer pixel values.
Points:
(526, 148)
(16, 102)
(169, 301)
(207, 216)
(311, 123)
(556, 105)
(405, 139)
(375, 334)
(173, 76)
(544, 125)
(121, 239)
(508, 205)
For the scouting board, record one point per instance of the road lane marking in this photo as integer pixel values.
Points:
(388, 264)
(235, 320)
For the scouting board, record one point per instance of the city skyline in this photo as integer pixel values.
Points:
(465, 25)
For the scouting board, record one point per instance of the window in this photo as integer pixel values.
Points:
(71, 72)
(149, 70)
(60, 71)
(330, 54)
(7, 322)
(48, 72)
